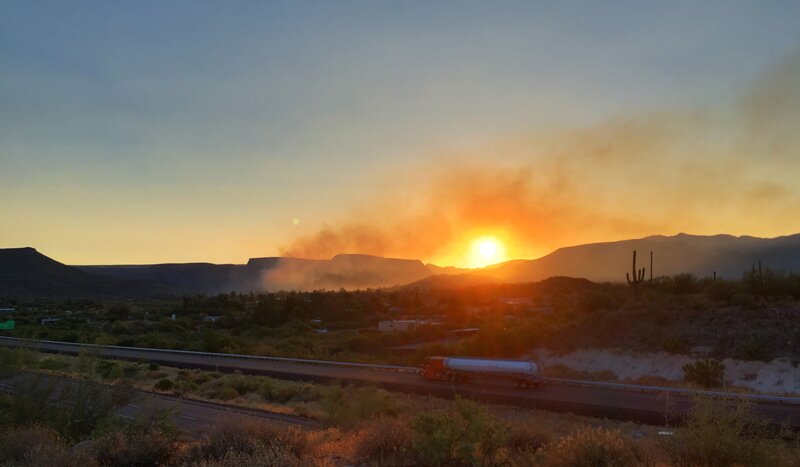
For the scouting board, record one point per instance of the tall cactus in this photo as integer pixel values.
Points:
(635, 277)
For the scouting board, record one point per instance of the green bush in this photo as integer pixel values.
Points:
(464, 434)
(53, 363)
(226, 393)
(164, 384)
(108, 369)
(154, 367)
(353, 405)
(184, 387)
(130, 370)
(201, 378)
(385, 441)
(707, 373)
(718, 434)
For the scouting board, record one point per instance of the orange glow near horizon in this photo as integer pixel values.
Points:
(485, 251)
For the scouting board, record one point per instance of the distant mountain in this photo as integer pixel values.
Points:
(24, 272)
(729, 256)
(182, 278)
(700, 255)
(349, 271)
(452, 281)
(273, 273)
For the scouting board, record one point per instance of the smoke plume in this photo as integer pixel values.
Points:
(732, 168)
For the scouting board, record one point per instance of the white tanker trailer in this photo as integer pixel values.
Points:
(461, 369)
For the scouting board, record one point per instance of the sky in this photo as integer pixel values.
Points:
(140, 132)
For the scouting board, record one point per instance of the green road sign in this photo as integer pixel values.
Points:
(7, 325)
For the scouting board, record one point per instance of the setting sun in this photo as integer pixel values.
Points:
(486, 251)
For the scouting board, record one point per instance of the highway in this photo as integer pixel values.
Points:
(635, 403)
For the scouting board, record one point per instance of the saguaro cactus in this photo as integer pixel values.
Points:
(635, 277)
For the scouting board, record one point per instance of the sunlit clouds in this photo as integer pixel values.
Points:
(730, 168)
(145, 132)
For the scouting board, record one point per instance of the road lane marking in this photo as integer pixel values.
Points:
(188, 417)
(127, 417)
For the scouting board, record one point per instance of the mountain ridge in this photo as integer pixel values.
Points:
(25, 271)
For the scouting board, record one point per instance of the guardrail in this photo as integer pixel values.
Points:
(410, 369)
(371, 366)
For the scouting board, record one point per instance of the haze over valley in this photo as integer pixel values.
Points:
(399, 233)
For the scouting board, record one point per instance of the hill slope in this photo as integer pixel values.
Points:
(729, 256)
(273, 273)
(24, 272)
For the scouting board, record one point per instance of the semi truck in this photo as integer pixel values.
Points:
(524, 374)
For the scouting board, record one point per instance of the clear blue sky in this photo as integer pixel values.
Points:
(172, 131)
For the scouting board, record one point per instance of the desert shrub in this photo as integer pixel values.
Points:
(74, 410)
(130, 370)
(717, 434)
(707, 373)
(164, 384)
(593, 447)
(35, 446)
(602, 297)
(273, 455)
(674, 344)
(15, 442)
(463, 434)
(385, 440)
(525, 438)
(184, 387)
(119, 450)
(243, 384)
(753, 348)
(225, 393)
(684, 284)
(9, 364)
(353, 405)
(154, 367)
(150, 439)
(745, 300)
(109, 370)
(53, 363)
(722, 291)
(247, 438)
(201, 378)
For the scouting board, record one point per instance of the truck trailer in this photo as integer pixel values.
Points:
(522, 373)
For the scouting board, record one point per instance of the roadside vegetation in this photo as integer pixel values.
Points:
(754, 318)
(364, 426)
